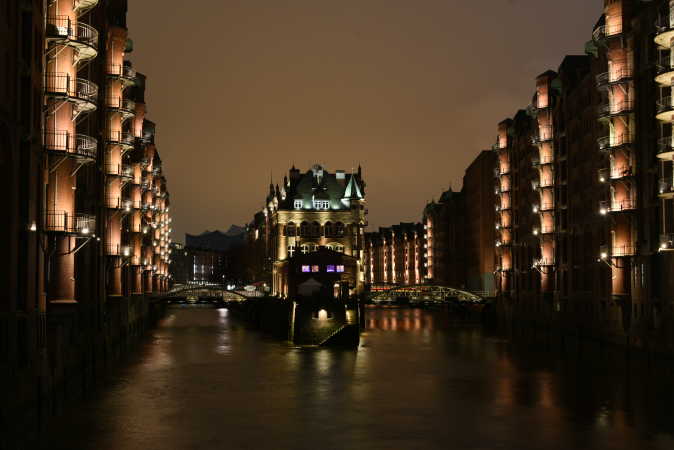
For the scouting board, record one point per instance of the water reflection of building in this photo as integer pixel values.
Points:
(400, 320)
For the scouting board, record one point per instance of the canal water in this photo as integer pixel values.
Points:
(420, 380)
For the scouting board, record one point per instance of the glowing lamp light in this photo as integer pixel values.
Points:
(602, 179)
(603, 211)
(603, 255)
(535, 209)
(33, 226)
(126, 251)
(663, 246)
(535, 231)
(85, 230)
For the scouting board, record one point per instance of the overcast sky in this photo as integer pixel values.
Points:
(410, 89)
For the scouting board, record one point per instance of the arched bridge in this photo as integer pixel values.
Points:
(426, 294)
(210, 291)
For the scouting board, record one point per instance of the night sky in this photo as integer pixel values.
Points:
(411, 90)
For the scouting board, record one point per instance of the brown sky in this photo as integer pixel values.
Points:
(412, 90)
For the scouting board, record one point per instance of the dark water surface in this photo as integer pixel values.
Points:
(418, 381)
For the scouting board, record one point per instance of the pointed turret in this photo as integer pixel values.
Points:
(352, 190)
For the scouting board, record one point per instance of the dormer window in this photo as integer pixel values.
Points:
(321, 204)
(298, 204)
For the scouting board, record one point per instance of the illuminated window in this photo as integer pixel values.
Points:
(315, 268)
(306, 269)
(330, 268)
(340, 268)
(291, 251)
(298, 204)
(321, 204)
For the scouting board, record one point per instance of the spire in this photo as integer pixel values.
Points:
(352, 190)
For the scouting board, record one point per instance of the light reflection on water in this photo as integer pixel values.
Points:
(418, 380)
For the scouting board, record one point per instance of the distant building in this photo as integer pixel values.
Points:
(395, 256)
(211, 257)
(443, 232)
(311, 210)
(479, 229)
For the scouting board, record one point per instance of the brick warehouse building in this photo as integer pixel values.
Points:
(310, 210)
(88, 229)
(591, 250)
(452, 246)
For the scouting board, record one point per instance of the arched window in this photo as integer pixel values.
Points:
(339, 229)
(291, 229)
(339, 248)
(329, 229)
(305, 249)
(315, 229)
(304, 229)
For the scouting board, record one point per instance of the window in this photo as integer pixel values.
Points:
(315, 269)
(330, 268)
(304, 229)
(339, 248)
(306, 269)
(291, 229)
(329, 229)
(339, 229)
(321, 204)
(315, 229)
(298, 204)
(340, 269)
(305, 249)
(291, 251)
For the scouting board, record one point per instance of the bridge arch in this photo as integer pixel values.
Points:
(426, 293)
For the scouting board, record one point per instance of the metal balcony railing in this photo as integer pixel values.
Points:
(601, 33)
(546, 183)
(63, 29)
(113, 201)
(126, 172)
(543, 134)
(622, 251)
(76, 89)
(122, 71)
(664, 24)
(124, 105)
(610, 142)
(76, 145)
(72, 223)
(665, 186)
(547, 229)
(614, 109)
(547, 206)
(133, 204)
(616, 205)
(544, 262)
(666, 241)
(664, 105)
(121, 138)
(665, 145)
(614, 76)
(618, 172)
(113, 249)
(82, 6)
(664, 65)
